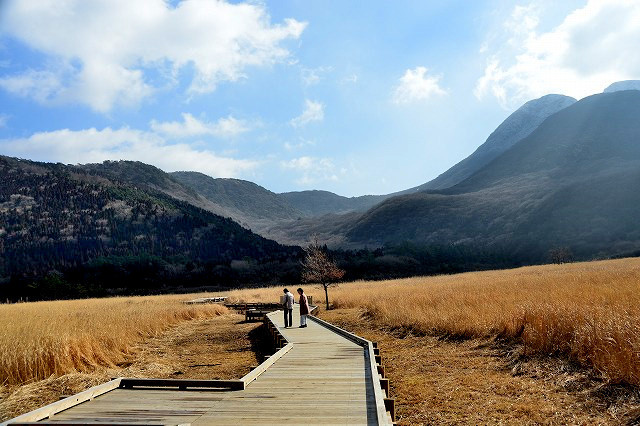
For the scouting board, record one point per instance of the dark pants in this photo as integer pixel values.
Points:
(288, 317)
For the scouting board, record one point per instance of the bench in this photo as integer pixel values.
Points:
(254, 315)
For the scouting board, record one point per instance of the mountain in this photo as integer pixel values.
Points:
(571, 182)
(108, 236)
(148, 177)
(623, 85)
(241, 198)
(515, 127)
(329, 216)
(318, 203)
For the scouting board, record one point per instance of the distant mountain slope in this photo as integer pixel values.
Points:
(145, 176)
(244, 197)
(140, 174)
(318, 203)
(64, 218)
(598, 133)
(330, 228)
(515, 127)
(623, 85)
(573, 181)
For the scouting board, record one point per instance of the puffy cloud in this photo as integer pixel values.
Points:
(415, 85)
(312, 169)
(92, 145)
(313, 111)
(191, 126)
(108, 52)
(592, 47)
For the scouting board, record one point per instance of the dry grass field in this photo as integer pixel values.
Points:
(38, 340)
(84, 343)
(475, 381)
(554, 344)
(588, 312)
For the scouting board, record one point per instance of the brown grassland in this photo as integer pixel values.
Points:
(41, 339)
(552, 344)
(588, 312)
(50, 349)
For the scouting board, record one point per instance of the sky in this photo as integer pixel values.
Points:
(355, 97)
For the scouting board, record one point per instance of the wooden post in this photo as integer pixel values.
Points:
(381, 370)
(384, 384)
(390, 406)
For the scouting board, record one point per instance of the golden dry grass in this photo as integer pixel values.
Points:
(220, 347)
(444, 382)
(43, 339)
(588, 312)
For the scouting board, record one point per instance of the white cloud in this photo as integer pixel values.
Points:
(191, 126)
(289, 146)
(312, 169)
(313, 111)
(3, 120)
(311, 76)
(106, 52)
(592, 47)
(415, 85)
(92, 145)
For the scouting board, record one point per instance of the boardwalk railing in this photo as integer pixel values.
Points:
(384, 406)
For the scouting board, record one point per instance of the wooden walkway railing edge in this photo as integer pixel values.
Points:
(58, 406)
(385, 406)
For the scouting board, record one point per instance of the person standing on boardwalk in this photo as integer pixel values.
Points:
(304, 308)
(288, 308)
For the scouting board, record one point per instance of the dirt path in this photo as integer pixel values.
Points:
(477, 382)
(215, 348)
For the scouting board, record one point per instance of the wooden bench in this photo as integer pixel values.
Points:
(254, 315)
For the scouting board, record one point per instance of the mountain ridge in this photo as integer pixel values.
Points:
(516, 199)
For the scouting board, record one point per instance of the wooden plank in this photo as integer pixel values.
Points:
(131, 382)
(344, 333)
(255, 373)
(84, 422)
(373, 368)
(58, 406)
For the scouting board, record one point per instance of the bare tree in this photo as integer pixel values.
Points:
(318, 267)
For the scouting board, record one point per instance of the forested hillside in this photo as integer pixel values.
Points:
(66, 232)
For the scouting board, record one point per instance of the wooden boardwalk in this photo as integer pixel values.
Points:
(322, 376)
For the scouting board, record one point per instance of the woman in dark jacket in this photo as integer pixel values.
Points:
(304, 308)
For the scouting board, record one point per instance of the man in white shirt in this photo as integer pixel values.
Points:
(288, 308)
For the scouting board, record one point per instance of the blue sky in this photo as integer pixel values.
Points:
(355, 97)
